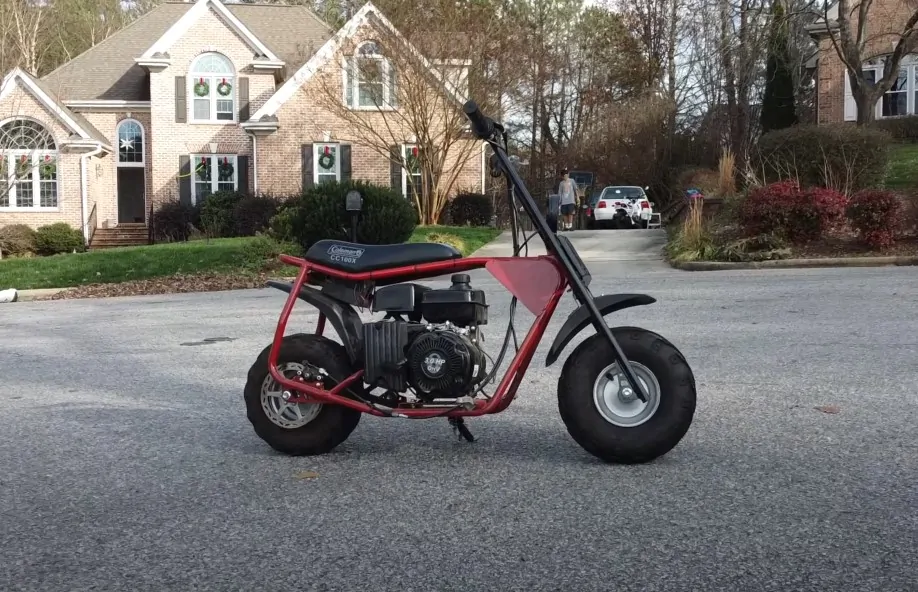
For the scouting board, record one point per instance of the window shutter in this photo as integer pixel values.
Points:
(184, 179)
(850, 104)
(349, 76)
(243, 84)
(306, 150)
(393, 86)
(242, 174)
(344, 151)
(395, 167)
(181, 104)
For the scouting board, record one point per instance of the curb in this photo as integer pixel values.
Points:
(796, 263)
(27, 295)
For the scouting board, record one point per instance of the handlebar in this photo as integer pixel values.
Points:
(482, 125)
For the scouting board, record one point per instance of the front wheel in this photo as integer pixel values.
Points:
(606, 418)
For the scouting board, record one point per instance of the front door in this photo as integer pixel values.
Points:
(131, 195)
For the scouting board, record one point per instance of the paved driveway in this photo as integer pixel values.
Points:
(126, 461)
(594, 245)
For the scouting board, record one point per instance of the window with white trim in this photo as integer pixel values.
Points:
(899, 101)
(28, 166)
(212, 81)
(212, 173)
(411, 171)
(327, 160)
(369, 79)
(130, 143)
(895, 100)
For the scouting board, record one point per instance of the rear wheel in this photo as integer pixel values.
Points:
(606, 418)
(299, 429)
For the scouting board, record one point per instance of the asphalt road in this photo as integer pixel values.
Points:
(127, 463)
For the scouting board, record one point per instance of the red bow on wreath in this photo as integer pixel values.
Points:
(414, 152)
(327, 150)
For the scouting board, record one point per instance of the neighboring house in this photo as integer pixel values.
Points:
(197, 97)
(834, 101)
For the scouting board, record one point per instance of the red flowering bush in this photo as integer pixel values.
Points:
(785, 209)
(875, 214)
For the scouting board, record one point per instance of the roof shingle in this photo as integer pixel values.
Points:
(107, 70)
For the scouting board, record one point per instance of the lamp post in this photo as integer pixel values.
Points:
(353, 203)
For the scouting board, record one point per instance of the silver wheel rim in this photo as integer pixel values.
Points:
(275, 405)
(618, 404)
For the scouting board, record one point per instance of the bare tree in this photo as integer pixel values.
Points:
(854, 39)
(394, 96)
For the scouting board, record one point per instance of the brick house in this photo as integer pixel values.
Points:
(834, 101)
(201, 96)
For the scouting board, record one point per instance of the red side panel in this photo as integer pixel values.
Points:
(533, 280)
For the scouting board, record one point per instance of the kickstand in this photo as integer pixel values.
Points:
(458, 424)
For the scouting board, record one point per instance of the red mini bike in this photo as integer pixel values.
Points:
(625, 394)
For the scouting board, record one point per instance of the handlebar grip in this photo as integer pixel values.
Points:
(482, 126)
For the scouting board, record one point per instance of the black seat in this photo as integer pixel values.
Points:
(357, 258)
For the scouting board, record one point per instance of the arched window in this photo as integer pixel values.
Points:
(28, 166)
(370, 83)
(213, 88)
(130, 143)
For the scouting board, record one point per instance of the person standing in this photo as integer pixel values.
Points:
(570, 198)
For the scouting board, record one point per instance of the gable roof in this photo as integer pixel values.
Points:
(367, 14)
(81, 128)
(107, 71)
(200, 8)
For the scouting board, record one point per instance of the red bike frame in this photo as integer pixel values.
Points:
(537, 282)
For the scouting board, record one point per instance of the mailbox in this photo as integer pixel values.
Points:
(353, 203)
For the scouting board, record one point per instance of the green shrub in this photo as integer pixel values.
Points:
(174, 221)
(843, 157)
(876, 215)
(470, 209)
(56, 238)
(217, 213)
(16, 239)
(386, 218)
(252, 214)
(899, 128)
(262, 252)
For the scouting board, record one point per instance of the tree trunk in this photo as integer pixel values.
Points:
(866, 106)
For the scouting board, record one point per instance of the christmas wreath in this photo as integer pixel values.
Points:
(224, 88)
(327, 160)
(225, 169)
(48, 168)
(203, 169)
(413, 162)
(23, 166)
(201, 88)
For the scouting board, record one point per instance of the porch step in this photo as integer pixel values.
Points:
(123, 235)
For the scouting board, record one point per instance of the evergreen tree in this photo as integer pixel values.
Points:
(778, 107)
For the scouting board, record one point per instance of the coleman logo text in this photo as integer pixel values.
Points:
(344, 254)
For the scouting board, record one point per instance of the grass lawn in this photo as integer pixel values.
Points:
(221, 256)
(903, 167)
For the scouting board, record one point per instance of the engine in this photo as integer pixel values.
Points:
(444, 364)
(439, 358)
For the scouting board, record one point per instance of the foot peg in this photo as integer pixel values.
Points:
(458, 425)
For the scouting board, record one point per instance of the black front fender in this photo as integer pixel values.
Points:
(341, 315)
(580, 318)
